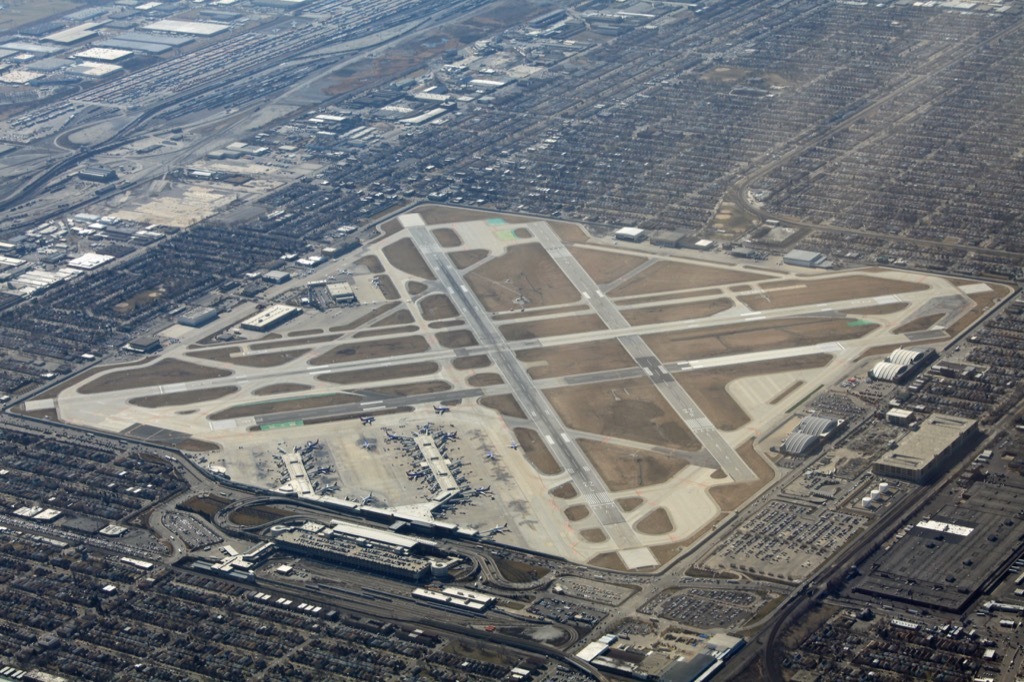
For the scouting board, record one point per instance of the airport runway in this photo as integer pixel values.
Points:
(563, 448)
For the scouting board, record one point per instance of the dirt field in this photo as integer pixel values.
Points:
(402, 390)
(522, 233)
(569, 233)
(628, 504)
(383, 348)
(552, 327)
(257, 360)
(437, 307)
(657, 522)
(605, 266)
(358, 377)
(467, 259)
(485, 379)
(626, 469)
(404, 256)
(183, 397)
(371, 263)
(278, 389)
(471, 362)
(708, 387)
(409, 329)
(676, 311)
(575, 358)
(286, 405)
(167, 371)
(524, 272)
(402, 316)
(671, 276)
(566, 491)
(577, 512)
(447, 237)
(632, 409)
(918, 324)
(830, 289)
(505, 405)
(594, 535)
(536, 452)
(730, 496)
(456, 339)
(415, 288)
(752, 336)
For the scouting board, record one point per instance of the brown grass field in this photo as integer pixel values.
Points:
(402, 390)
(522, 233)
(747, 337)
(983, 302)
(387, 331)
(730, 496)
(524, 271)
(576, 512)
(656, 522)
(403, 255)
(228, 355)
(918, 324)
(287, 343)
(401, 316)
(505, 405)
(676, 311)
(447, 237)
(575, 358)
(166, 371)
(536, 452)
(415, 288)
(437, 307)
(371, 263)
(672, 276)
(625, 469)
(471, 362)
(388, 288)
(566, 491)
(569, 233)
(667, 298)
(708, 387)
(362, 319)
(469, 258)
(878, 309)
(789, 389)
(288, 405)
(558, 326)
(828, 290)
(632, 409)
(605, 266)
(358, 377)
(485, 379)
(608, 560)
(183, 397)
(457, 339)
(382, 348)
(278, 389)
(628, 504)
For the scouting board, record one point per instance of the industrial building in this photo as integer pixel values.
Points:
(676, 240)
(929, 451)
(806, 259)
(341, 293)
(97, 174)
(276, 276)
(630, 234)
(143, 344)
(809, 435)
(270, 317)
(197, 317)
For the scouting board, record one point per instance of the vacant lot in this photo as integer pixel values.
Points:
(671, 276)
(827, 290)
(730, 496)
(278, 389)
(575, 358)
(447, 237)
(708, 387)
(656, 522)
(286, 405)
(404, 256)
(525, 276)
(631, 409)
(358, 377)
(536, 452)
(627, 469)
(671, 312)
(469, 258)
(183, 397)
(605, 266)
(167, 371)
(731, 339)
(437, 307)
(558, 326)
(383, 348)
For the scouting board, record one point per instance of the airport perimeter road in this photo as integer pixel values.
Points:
(563, 448)
(680, 401)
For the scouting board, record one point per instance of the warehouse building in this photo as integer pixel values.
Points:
(901, 364)
(928, 452)
(197, 317)
(269, 318)
(630, 234)
(143, 344)
(97, 174)
(341, 293)
(809, 435)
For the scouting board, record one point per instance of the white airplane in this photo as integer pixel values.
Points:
(367, 420)
(503, 528)
(489, 455)
(514, 445)
(441, 409)
(483, 491)
(368, 499)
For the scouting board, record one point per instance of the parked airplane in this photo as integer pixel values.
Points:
(514, 445)
(441, 409)
(331, 488)
(483, 491)
(391, 436)
(368, 499)
(503, 528)
(490, 455)
(367, 420)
